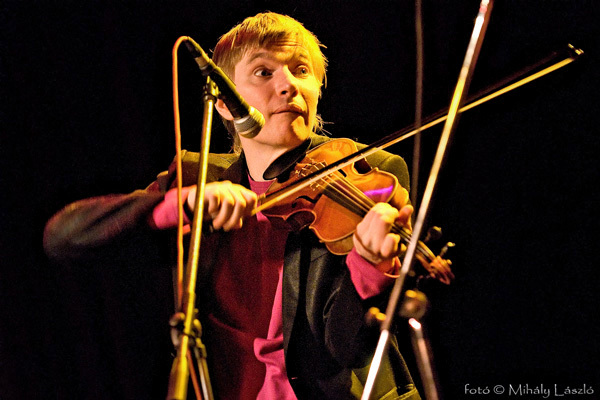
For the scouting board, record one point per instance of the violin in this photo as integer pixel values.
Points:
(333, 206)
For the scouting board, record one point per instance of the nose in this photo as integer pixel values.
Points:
(287, 83)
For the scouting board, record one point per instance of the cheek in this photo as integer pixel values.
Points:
(312, 106)
(311, 96)
(251, 96)
(252, 93)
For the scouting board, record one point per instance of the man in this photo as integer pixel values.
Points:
(282, 317)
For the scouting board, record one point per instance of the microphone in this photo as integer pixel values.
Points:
(247, 120)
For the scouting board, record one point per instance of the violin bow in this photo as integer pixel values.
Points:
(514, 81)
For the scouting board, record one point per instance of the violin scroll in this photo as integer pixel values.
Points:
(438, 267)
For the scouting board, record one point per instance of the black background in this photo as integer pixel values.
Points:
(86, 88)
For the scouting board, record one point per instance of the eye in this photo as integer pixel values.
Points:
(302, 70)
(262, 72)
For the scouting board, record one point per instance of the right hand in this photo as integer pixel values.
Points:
(225, 203)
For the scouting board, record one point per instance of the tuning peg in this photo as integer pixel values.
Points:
(434, 233)
(445, 249)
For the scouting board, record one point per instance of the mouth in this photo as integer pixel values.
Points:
(290, 108)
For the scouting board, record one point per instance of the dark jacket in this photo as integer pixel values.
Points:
(327, 344)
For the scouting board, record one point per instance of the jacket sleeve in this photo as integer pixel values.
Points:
(85, 226)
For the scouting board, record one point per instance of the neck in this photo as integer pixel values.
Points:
(259, 157)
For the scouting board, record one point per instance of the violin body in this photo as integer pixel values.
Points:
(332, 207)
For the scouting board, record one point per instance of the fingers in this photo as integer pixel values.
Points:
(375, 241)
(227, 204)
(373, 238)
(404, 216)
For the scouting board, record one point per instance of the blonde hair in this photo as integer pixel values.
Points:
(262, 30)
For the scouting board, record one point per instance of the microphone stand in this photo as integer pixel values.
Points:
(414, 307)
(462, 85)
(186, 329)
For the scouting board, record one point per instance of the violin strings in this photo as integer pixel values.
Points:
(348, 195)
(340, 190)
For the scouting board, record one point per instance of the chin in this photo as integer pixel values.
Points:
(297, 138)
(301, 132)
(292, 137)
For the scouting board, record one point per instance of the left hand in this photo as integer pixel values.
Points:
(373, 238)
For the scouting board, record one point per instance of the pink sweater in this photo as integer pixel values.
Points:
(244, 333)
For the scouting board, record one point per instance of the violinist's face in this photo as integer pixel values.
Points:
(280, 83)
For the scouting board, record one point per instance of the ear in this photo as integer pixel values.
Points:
(223, 110)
